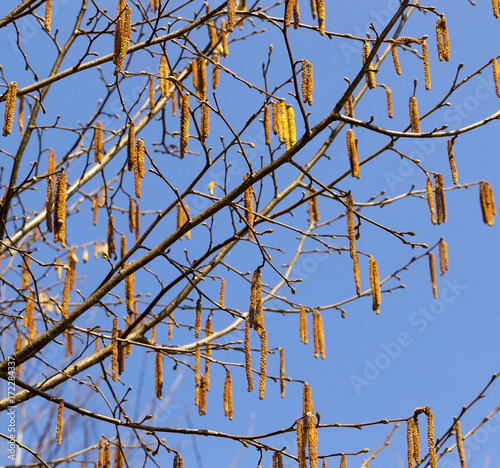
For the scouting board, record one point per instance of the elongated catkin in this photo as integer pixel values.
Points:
(59, 429)
(352, 151)
(10, 107)
(414, 118)
(369, 75)
(184, 130)
(248, 357)
(114, 349)
(433, 274)
(263, 364)
(60, 210)
(460, 443)
(430, 199)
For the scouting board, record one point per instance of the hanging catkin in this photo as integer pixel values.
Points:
(131, 146)
(139, 171)
(301, 449)
(409, 441)
(123, 29)
(223, 32)
(352, 151)
(65, 299)
(389, 102)
(425, 58)
(430, 199)
(60, 210)
(197, 323)
(451, 159)
(205, 122)
(263, 364)
(395, 59)
(443, 256)
(48, 15)
(442, 39)
(414, 118)
(315, 332)
(59, 428)
(320, 4)
(228, 396)
(440, 199)
(375, 285)
(369, 75)
(496, 8)
(248, 357)
(184, 130)
(433, 274)
(352, 240)
(312, 440)
(10, 107)
(98, 143)
(158, 375)
(114, 349)
(249, 210)
(487, 203)
(197, 375)
(321, 335)
(289, 5)
(30, 307)
(460, 444)
(303, 325)
(292, 133)
(416, 440)
(430, 437)
(267, 124)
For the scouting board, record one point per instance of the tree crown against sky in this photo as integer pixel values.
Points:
(193, 214)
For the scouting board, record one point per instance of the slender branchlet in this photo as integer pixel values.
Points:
(352, 151)
(432, 268)
(10, 107)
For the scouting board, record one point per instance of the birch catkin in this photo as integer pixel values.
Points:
(320, 4)
(48, 14)
(292, 134)
(353, 153)
(158, 376)
(389, 102)
(282, 372)
(460, 444)
(131, 147)
(451, 159)
(60, 210)
(10, 107)
(205, 122)
(197, 324)
(249, 210)
(440, 199)
(59, 429)
(425, 58)
(414, 118)
(433, 274)
(139, 171)
(114, 350)
(496, 8)
(303, 325)
(267, 124)
(263, 364)
(21, 115)
(416, 440)
(315, 333)
(222, 292)
(65, 299)
(487, 203)
(352, 240)
(496, 75)
(248, 357)
(375, 285)
(409, 441)
(228, 396)
(395, 59)
(301, 449)
(184, 130)
(231, 15)
(312, 440)
(369, 75)
(98, 143)
(442, 39)
(443, 256)
(430, 199)
(123, 29)
(321, 335)
(430, 437)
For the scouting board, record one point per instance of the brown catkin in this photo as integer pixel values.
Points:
(60, 210)
(303, 325)
(20, 117)
(215, 72)
(349, 107)
(289, 5)
(30, 307)
(301, 449)
(496, 8)
(222, 292)
(496, 75)
(25, 275)
(124, 38)
(205, 122)
(131, 147)
(395, 59)
(111, 237)
(197, 323)
(282, 372)
(414, 118)
(263, 364)
(451, 159)
(163, 77)
(307, 405)
(66, 288)
(249, 210)
(442, 39)
(312, 440)
(369, 75)
(460, 444)
(390, 113)
(416, 440)
(343, 462)
(228, 398)
(267, 124)
(48, 203)
(409, 441)
(321, 335)
(69, 343)
(430, 199)
(440, 199)
(158, 376)
(114, 349)
(313, 208)
(430, 437)
(10, 107)
(225, 49)
(375, 285)
(184, 129)
(487, 203)
(231, 15)
(305, 76)
(129, 293)
(320, 5)
(275, 117)
(131, 215)
(443, 256)
(352, 151)
(178, 461)
(98, 143)
(315, 333)
(248, 357)
(151, 93)
(310, 84)
(433, 274)
(59, 428)
(202, 407)
(197, 375)
(95, 208)
(425, 58)
(352, 245)
(139, 171)
(106, 462)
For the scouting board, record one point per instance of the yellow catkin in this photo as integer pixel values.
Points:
(248, 357)
(321, 335)
(178, 461)
(369, 75)
(352, 242)
(197, 324)
(430, 199)
(315, 333)
(310, 84)
(443, 256)
(202, 407)
(59, 428)
(20, 117)
(131, 215)
(301, 449)
(231, 15)
(17, 346)
(312, 440)
(263, 364)
(496, 8)
(225, 49)
(98, 143)
(305, 76)
(496, 75)
(292, 133)
(25, 275)
(430, 437)
(202, 78)
(170, 327)
(100, 452)
(433, 274)
(425, 58)
(303, 325)
(409, 442)
(442, 39)
(289, 4)
(10, 107)
(48, 204)
(139, 171)
(228, 398)
(375, 285)
(222, 292)
(194, 73)
(343, 462)
(313, 208)
(285, 130)
(267, 124)
(197, 375)
(320, 7)
(451, 159)
(111, 237)
(114, 349)
(296, 15)
(60, 210)
(487, 203)
(440, 199)
(353, 153)
(30, 307)
(314, 9)
(249, 210)
(184, 129)
(66, 288)
(414, 118)
(123, 248)
(95, 208)
(282, 372)
(151, 93)
(416, 440)
(129, 293)
(205, 122)
(158, 376)
(349, 107)
(48, 14)
(275, 114)
(395, 59)
(163, 76)
(106, 459)
(215, 72)
(123, 29)
(460, 444)
(389, 102)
